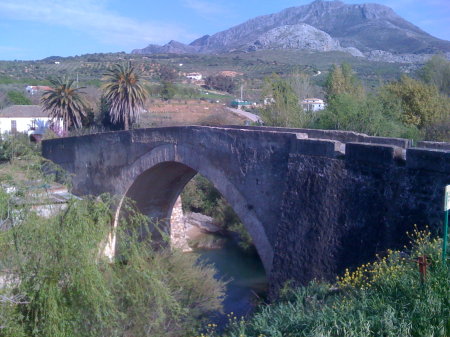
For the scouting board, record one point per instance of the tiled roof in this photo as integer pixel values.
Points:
(33, 111)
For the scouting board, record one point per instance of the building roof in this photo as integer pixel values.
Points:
(23, 111)
(312, 101)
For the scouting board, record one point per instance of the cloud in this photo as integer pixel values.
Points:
(92, 18)
(205, 8)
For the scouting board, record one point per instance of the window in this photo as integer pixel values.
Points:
(13, 126)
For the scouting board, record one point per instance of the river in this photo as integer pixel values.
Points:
(247, 279)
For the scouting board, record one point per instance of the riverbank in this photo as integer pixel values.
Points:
(242, 270)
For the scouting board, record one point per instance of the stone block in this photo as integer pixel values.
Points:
(399, 142)
(434, 145)
(316, 147)
(428, 159)
(372, 153)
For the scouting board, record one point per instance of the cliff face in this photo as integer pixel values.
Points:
(299, 36)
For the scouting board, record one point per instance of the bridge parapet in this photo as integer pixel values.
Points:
(433, 145)
(338, 135)
(428, 159)
(317, 147)
(353, 146)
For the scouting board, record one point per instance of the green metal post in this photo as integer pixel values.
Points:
(445, 238)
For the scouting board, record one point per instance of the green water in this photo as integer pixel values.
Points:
(248, 282)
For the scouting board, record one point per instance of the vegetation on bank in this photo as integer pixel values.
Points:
(55, 280)
(200, 195)
(385, 298)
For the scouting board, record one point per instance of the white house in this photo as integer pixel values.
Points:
(194, 76)
(29, 119)
(313, 104)
(32, 89)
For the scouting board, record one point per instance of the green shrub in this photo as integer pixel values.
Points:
(384, 298)
(16, 146)
(16, 97)
(62, 285)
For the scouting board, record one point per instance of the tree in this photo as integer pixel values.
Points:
(341, 80)
(221, 82)
(167, 73)
(437, 72)
(368, 114)
(302, 86)
(168, 90)
(421, 103)
(124, 93)
(65, 102)
(283, 109)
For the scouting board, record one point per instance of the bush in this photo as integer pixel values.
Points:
(372, 115)
(60, 284)
(384, 298)
(14, 146)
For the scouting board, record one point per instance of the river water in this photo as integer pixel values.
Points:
(247, 279)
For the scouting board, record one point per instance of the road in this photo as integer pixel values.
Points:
(248, 115)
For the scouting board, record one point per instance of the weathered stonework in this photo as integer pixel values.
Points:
(178, 230)
(314, 201)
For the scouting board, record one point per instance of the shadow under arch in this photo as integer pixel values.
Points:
(157, 178)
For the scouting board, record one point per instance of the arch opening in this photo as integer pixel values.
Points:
(157, 179)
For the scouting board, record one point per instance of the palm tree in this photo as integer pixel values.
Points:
(124, 93)
(64, 102)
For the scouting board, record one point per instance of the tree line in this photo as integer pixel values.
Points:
(417, 108)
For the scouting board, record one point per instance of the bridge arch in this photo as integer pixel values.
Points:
(155, 180)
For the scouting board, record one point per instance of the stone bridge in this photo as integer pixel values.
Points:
(314, 201)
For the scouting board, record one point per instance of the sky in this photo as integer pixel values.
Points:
(35, 29)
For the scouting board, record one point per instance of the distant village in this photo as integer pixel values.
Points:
(32, 120)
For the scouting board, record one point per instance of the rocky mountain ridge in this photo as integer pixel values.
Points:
(366, 30)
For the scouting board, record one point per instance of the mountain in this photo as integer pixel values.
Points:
(173, 47)
(372, 29)
(299, 36)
